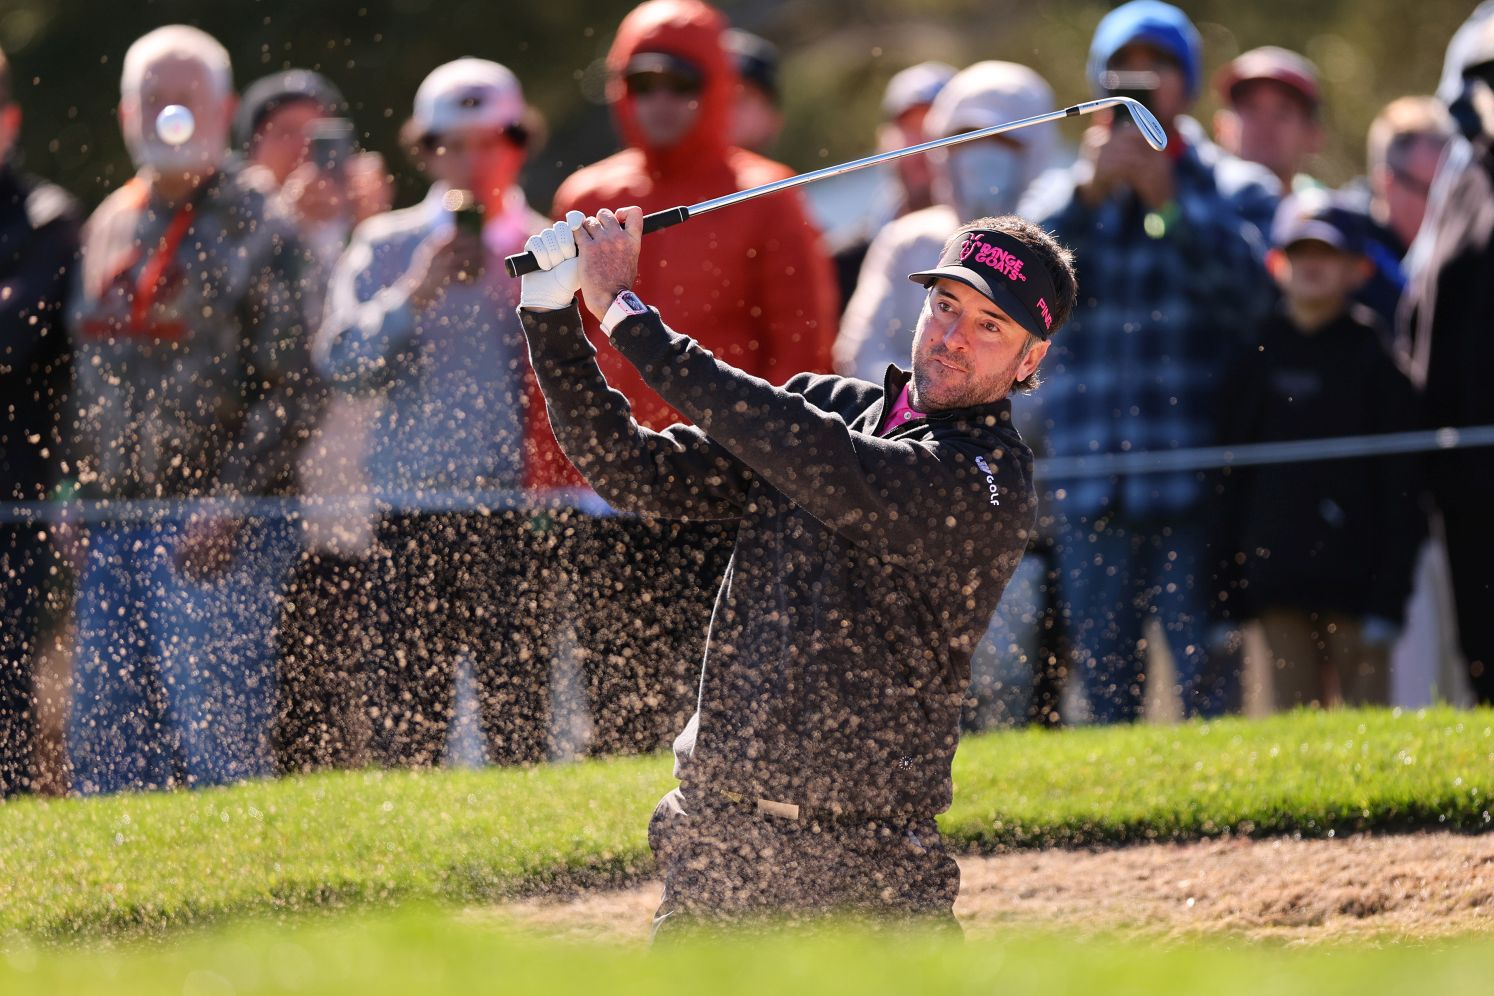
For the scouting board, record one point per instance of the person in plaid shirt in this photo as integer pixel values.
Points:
(1173, 276)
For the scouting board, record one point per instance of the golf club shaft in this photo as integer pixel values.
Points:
(524, 262)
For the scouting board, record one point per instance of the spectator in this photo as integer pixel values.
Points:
(1443, 333)
(1170, 259)
(905, 108)
(1464, 64)
(758, 284)
(191, 381)
(757, 116)
(1325, 548)
(1406, 142)
(421, 315)
(970, 181)
(1272, 113)
(294, 147)
(281, 121)
(38, 243)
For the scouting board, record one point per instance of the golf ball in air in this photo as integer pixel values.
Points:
(175, 124)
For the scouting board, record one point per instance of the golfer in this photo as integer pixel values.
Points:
(876, 528)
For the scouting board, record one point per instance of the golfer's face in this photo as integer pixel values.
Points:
(966, 351)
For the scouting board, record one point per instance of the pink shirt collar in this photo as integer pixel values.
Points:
(902, 411)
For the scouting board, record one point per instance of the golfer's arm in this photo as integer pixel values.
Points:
(904, 499)
(677, 473)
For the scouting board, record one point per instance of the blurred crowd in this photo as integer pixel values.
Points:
(278, 443)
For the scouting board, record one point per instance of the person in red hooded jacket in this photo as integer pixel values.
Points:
(756, 284)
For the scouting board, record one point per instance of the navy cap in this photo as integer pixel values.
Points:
(756, 59)
(1319, 216)
(1006, 271)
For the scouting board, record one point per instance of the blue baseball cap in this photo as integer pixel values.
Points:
(1157, 24)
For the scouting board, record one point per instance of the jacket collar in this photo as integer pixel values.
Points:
(994, 413)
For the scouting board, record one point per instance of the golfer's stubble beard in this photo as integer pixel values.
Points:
(936, 387)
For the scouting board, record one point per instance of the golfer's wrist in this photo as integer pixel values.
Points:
(623, 304)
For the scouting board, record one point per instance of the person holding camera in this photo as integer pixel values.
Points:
(1175, 279)
(296, 144)
(420, 315)
(298, 150)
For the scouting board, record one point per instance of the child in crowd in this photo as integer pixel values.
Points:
(1322, 550)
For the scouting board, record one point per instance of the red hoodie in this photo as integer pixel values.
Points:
(752, 282)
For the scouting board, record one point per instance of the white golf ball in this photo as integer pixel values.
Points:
(175, 124)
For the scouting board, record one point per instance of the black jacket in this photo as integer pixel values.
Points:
(1328, 535)
(38, 245)
(865, 568)
(1446, 326)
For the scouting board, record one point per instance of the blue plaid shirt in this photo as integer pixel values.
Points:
(1139, 364)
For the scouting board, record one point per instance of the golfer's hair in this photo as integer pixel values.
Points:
(1058, 261)
(178, 41)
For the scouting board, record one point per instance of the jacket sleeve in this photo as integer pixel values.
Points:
(281, 391)
(369, 323)
(912, 502)
(796, 291)
(677, 473)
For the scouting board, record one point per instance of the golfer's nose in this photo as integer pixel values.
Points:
(957, 335)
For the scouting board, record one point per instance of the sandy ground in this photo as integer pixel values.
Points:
(1417, 886)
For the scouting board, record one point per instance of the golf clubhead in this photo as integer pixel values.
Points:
(1151, 128)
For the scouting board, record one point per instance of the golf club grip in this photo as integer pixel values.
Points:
(524, 262)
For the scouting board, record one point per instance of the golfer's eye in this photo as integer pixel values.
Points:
(944, 307)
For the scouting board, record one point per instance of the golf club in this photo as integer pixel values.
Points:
(1151, 129)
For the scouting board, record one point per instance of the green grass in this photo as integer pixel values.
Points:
(1308, 773)
(436, 953)
(82, 868)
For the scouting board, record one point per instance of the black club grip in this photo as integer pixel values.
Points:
(524, 262)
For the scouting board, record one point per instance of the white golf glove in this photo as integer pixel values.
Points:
(555, 284)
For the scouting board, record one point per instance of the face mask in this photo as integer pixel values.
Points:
(202, 153)
(984, 179)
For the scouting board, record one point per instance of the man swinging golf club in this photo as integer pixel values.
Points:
(877, 527)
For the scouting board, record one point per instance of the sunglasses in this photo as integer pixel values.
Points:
(643, 84)
(515, 135)
(1410, 182)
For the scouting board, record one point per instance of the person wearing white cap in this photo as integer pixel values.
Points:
(421, 316)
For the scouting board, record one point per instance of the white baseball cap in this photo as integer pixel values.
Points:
(468, 93)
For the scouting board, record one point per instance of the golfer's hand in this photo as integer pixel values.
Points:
(553, 286)
(610, 244)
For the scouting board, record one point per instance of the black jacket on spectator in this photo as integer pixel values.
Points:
(39, 225)
(1447, 327)
(865, 570)
(1321, 535)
